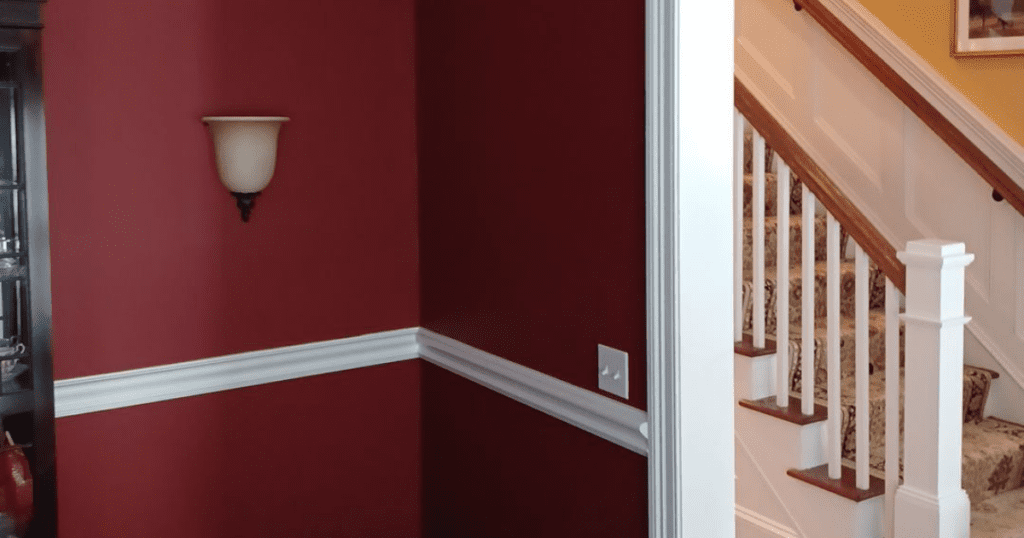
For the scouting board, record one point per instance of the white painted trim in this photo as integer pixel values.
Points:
(605, 417)
(1006, 152)
(663, 482)
(146, 385)
(691, 465)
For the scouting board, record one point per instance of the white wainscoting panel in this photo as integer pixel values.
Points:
(946, 199)
(600, 415)
(856, 115)
(146, 385)
(759, 53)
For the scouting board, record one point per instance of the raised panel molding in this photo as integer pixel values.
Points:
(766, 66)
(857, 114)
(840, 143)
(816, 154)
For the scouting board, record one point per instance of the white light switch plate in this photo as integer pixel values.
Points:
(613, 371)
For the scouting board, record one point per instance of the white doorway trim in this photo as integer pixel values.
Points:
(689, 82)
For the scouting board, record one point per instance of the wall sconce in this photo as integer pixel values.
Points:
(246, 150)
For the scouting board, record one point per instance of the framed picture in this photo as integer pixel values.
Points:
(988, 27)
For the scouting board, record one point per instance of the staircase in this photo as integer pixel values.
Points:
(993, 449)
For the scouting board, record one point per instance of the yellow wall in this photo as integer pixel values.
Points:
(995, 85)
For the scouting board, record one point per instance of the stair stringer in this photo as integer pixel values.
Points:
(770, 503)
(905, 180)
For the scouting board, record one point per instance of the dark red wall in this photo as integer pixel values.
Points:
(531, 138)
(152, 265)
(497, 468)
(530, 123)
(531, 147)
(151, 262)
(323, 456)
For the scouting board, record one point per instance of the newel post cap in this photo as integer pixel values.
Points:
(935, 253)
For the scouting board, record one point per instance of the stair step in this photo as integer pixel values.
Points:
(748, 153)
(988, 443)
(846, 486)
(771, 191)
(771, 243)
(876, 288)
(993, 449)
(790, 413)
(747, 348)
(770, 195)
(975, 392)
(993, 458)
(847, 349)
(999, 516)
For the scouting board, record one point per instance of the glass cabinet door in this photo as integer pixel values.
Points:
(26, 376)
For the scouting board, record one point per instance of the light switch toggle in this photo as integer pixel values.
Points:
(613, 370)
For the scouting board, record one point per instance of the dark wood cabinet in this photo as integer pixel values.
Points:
(26, 386)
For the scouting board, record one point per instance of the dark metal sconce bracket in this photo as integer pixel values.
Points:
(245, 202)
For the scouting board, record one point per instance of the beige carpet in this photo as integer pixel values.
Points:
(1001, 516)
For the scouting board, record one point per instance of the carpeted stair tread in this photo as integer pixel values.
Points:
(771, 224)
(876, 288)
(993, 458)
(999, 516)
(771, 191)
(979, 466)
(770, 195)
(748, 152)
(847, 405)
(847, 351)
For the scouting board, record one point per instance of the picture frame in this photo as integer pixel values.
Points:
(988, 28)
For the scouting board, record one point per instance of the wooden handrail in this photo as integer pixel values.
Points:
(852, 220)
(1000, 181)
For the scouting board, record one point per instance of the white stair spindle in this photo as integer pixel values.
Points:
(835, 446)
(807, 307)
(782, 287)
(757, 240)
(737, 215)
(892, 402)
(861, 367)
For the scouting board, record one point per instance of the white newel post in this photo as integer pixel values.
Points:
(931, 501)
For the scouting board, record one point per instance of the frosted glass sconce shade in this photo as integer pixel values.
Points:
(246, 152)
